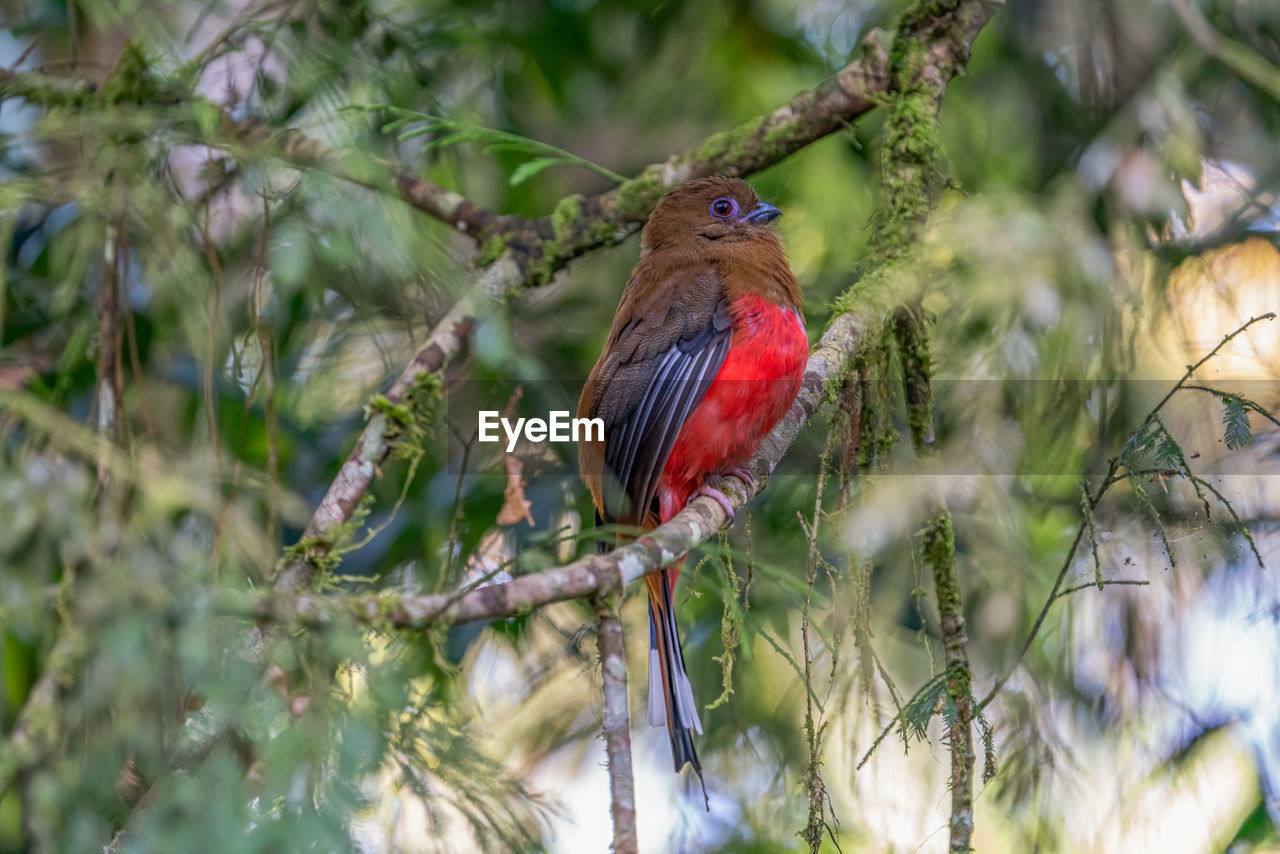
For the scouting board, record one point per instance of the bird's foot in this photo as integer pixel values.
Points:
(745, 475)
(718, 496)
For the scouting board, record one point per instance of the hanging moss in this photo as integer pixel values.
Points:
(908, 155)
(878, 434)
(324, 551)
(911, 338)
(409, 423)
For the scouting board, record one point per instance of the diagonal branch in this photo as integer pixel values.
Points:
(427, 196)
(373, 446)
(596, 573)
(1243, 61)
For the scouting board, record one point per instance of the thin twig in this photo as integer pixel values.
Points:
(1246, 63)
(1092, 503)
(1220, 394)
(1239, 522)
(813, 730)
(940, 553)
(1133, 582)
(22, 57)
(211, 349)
(1191, 369)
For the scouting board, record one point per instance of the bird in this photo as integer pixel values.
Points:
(705, 355)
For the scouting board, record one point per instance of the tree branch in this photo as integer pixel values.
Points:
(427, 196)
(1243, 61)
(617, 723)
(924, 57)
(593, 574)
(38, 727)
(940, 554)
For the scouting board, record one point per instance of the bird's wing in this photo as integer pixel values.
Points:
(662, 361)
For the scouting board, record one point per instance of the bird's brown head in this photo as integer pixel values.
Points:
(705, 210)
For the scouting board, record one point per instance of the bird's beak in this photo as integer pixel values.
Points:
(763, 212)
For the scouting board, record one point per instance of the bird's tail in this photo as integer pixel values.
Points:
(671, 702)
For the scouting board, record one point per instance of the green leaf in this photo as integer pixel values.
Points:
(412, 133)
(529, 168)
(1235, 419)
(1142, 440)
(520, 146)
(1169, 454)
(392, 126)
(920, 708)
(456, 133)
(450, 139)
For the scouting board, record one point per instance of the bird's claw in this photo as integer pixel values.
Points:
(717, 496)
(746, 475)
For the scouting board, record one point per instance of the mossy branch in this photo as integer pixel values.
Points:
(921, 63)
(940, 554)
(616, 723)
(39, 725)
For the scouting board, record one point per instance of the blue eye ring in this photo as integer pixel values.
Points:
(725, 207)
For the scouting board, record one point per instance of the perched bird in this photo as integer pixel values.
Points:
(705, 355)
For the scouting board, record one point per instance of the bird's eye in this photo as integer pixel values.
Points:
(724, 207)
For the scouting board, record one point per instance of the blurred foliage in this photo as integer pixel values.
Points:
(1087, 248)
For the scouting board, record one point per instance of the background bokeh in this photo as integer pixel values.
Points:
(1110, 214)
